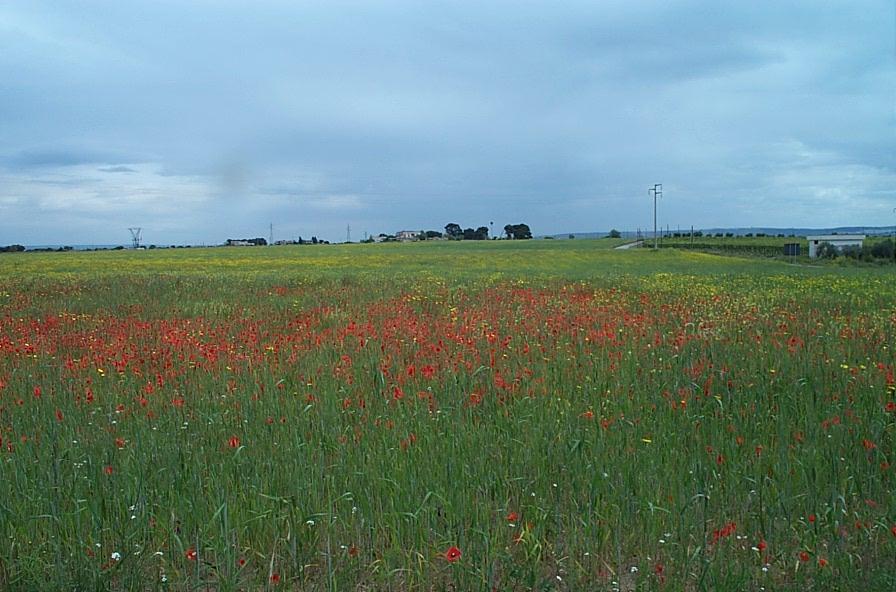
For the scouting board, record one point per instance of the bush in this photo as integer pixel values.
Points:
(852, 252)
(826, 251)
(883, 249)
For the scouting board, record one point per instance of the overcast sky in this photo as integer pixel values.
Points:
(200, 121)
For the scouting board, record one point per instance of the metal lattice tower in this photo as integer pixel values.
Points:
(135, 237)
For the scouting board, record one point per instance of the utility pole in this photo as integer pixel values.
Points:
(271, 237)
(348, 233)
(657, 191)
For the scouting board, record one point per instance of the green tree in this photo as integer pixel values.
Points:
(517, 231)
(454, 231)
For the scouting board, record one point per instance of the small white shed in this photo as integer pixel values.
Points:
(838, 240)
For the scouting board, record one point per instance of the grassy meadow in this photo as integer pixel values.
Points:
(507, 415)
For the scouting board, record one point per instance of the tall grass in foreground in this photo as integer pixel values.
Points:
(240, 432)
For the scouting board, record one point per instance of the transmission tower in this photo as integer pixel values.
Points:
(135, 237)
(348, 233)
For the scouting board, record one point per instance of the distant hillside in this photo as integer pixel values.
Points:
(625, 234)
(869, 230)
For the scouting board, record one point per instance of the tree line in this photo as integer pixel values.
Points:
(882, 250)
(511, 231)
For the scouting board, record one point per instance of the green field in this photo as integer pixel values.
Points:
(751, 246)
(501, 415)
(745, 246)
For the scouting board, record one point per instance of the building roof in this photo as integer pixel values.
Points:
(836, 237)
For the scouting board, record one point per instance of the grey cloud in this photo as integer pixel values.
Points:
(58, 157)
(316, 115)
(118, 169)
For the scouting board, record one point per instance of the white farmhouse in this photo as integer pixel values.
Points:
(838, 240)
(407, 235)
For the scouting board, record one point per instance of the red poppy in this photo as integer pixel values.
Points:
(893, 530)
(242, 562)
(353, 551)
(108, 469)
(762, 546)
(804, 557)
(37, 392)
(811, 518)
(59, 415)
(119, 442)
(234, 442)
(513, 517)
(452, 554)
(191, 554)
(275, 578)
(587, 414)
(822, 562)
